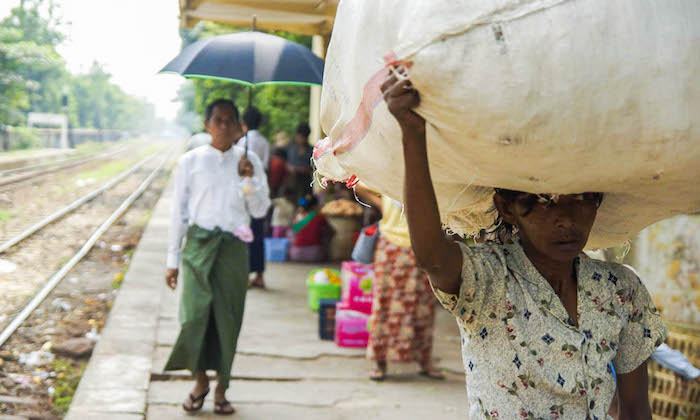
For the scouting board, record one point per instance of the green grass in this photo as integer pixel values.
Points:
(152, 148)
(67, 379)
(105, 171)
(92, 147)
(119, 277)
(6, 215)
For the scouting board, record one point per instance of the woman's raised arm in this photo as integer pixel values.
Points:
(439, 256)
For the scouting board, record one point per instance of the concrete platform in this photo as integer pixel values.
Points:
(282, 369)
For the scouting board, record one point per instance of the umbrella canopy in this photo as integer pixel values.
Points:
(249, 58)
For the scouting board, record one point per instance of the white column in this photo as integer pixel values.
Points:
(318, 46)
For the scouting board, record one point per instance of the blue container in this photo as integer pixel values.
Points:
(276, 249)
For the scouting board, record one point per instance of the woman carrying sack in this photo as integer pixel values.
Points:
(540, 321)
(403, 306)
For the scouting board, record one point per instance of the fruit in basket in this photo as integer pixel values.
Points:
(321, 277)
(325, 276)
(342, 208)
(332, 276)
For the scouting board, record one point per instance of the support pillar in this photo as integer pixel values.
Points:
(319, 43)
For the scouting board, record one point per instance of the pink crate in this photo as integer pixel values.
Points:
(350, 327)
(357, 282)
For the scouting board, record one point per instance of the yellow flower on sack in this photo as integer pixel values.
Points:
(118, 276)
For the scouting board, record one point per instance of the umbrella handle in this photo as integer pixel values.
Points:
(246, 145)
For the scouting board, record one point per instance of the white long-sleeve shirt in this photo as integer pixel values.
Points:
(258, 144)
(209, 193)
(675, 361)
(199, 139)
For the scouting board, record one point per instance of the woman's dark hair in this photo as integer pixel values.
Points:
(308, 202)
(303, 129)
(220, 102)
(280, 152)
(503, 231)
(252, 117)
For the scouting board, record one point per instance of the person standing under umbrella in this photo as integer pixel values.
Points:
(257, 143)
(299, 154)
(217, 188)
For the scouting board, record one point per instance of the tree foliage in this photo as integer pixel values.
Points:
(99, 103)
(34, 77)
(283, 107)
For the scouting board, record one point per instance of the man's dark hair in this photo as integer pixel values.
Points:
(220, 102)
(303, 129)
(252, 117)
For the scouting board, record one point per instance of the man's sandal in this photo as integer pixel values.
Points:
(223, 408)
(195, 403)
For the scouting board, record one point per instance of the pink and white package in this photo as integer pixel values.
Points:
(350, 327)
(357, 280)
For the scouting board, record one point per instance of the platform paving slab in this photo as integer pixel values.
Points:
(408, 391)
(282, 369)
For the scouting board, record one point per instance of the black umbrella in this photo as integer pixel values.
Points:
(249, 58)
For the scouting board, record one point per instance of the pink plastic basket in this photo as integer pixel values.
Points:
(350, 327)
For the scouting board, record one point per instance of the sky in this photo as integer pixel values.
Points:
(132, 39)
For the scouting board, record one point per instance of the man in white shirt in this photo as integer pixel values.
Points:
(197, 140)
(252, 120)
(217, 190)
(258, 144)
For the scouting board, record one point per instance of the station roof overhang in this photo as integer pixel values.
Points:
(310, 17)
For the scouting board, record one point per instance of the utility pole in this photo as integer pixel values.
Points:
(64, 103)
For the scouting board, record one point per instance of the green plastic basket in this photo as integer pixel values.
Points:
(316, 292)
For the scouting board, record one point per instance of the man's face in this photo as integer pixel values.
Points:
(558, 229)
(223, 125)
(301, 140)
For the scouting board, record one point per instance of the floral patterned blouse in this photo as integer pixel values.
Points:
(525, 358)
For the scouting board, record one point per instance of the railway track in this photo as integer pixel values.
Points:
(12, 176)
(56, 278)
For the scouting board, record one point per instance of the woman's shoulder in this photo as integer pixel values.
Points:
(613, 271)
(484, 248)
(486, 257)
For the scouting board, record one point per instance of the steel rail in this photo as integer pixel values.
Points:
(72, 206)
(61, 273)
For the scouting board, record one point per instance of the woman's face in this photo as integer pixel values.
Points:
(558, 228)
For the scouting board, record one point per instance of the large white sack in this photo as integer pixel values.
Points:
(548, 96)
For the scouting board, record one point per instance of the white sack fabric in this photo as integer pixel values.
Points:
(544, 96)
